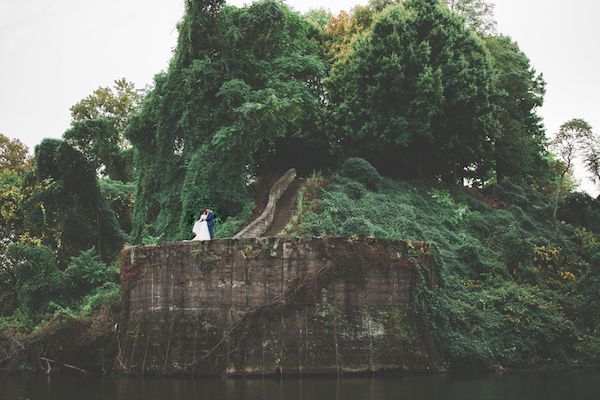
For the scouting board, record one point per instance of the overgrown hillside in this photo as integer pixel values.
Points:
(423, 89)
(514, 291)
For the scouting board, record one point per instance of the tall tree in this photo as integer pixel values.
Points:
(343, 29)
(380, 5)
(415, 95)
(66, 209)
(520, 147)
(478, 14)
(97, 128)
(11, 230)
(102, 143)
(15, 162)
(591, 157)
(242, 82)
(117, 102)
(319, 16)
(14, 155)
(569, 142)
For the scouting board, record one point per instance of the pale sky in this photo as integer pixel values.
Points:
(53, 53)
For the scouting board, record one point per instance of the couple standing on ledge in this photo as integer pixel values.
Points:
(204, 227)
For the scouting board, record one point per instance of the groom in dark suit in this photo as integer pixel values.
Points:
(210, 221)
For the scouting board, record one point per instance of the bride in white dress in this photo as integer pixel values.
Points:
(201, 227)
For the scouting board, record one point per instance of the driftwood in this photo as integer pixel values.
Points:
(49, 370)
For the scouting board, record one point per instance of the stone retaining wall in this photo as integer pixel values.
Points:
(276, 305)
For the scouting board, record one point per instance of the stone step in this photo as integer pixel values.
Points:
(286, 206)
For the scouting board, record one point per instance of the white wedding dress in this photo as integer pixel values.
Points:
(201, 229)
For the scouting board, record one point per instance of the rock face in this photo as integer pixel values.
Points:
(273, 306)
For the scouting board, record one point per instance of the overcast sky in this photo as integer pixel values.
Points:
(55, 52)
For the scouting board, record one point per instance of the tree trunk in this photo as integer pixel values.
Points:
(557, 194)
(499, 171)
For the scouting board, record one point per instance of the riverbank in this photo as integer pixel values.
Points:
(90, 347)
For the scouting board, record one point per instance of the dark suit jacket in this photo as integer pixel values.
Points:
(210, 219)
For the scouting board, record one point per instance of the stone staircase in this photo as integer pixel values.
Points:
(286, 207)
(279, 210)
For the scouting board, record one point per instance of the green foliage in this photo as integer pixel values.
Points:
(415, 95)
(357, 226)
(42, 289)
(571, 141)
(14, 156)
(66, 208)
(343, 29)
(228, 228)
(17, 323)
(85, 272)
(512, 291)
(241, 82)
(11, 230)
(318, 16)
(107, 296)
(354, 190)
(38, 278)
(478, 14)
(380, 5)
(508, 324)
(116, 104)
(98, 126)
(207, 181)
(580, 209)
(120, 197)
(101, 142)
(520, 147)
(361, 171)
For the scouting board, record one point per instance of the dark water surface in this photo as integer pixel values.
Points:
(571, 385)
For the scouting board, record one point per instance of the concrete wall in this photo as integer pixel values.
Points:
(260, 225)
(273, 305)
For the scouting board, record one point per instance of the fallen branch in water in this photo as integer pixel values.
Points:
(48, 364)
(48, 361)
(75, 368)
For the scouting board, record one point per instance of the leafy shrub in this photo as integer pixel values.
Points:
(361, 171)
(38, 279)
(582, 210)
(85, 272)
(119, 196)
(66, 207)
(106, 296)
(357, 226)
(234, 224)
(354, 190)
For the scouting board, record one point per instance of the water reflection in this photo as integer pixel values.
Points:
(582, 384)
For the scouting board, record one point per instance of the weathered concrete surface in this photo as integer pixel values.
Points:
(273, 305)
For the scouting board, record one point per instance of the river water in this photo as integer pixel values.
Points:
(571, 385)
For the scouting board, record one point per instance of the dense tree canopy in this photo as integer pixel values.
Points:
(415, 95)
(520, 147)
(478, 14)
(98, 125)
(117, 103)
(14, 155)
(101, 142)
(242, 82)
(66, 209)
